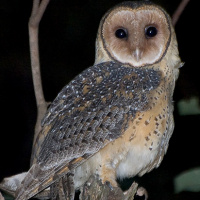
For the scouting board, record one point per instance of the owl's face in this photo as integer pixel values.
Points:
(136, 36)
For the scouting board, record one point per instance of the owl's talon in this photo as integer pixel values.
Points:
(109, 185)
(142, 192)
(181, 64)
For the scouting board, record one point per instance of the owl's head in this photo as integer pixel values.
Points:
(135, 33)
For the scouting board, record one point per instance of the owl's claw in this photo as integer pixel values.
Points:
(181, 64)
(142, 192)
(109, 185)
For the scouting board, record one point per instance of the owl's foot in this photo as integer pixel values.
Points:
(109, 185)
(142, 192)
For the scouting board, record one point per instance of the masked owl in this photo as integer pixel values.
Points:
(115, 118)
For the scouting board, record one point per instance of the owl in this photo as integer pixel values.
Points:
(115, 118)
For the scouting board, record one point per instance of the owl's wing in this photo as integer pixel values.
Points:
(91, 111)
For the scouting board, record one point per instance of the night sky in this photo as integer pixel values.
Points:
(67, 47)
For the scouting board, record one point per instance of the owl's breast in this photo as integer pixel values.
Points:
(147, 137)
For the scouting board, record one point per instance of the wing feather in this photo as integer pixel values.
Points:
(86, 115)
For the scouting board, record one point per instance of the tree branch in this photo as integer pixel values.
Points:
(33, 26)
(178, 11)
(1, 197)
(93, 189)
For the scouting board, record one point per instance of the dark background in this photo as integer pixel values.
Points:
(67, 46)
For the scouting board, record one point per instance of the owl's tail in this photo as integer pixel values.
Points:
(37, 180)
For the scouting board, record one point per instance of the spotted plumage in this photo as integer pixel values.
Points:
(92, 108)
(115, 118)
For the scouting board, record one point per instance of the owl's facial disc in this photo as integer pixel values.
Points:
(136, 36)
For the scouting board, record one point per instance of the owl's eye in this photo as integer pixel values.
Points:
(121, 33)
(150, 31)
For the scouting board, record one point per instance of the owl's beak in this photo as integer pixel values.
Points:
(137, 54)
